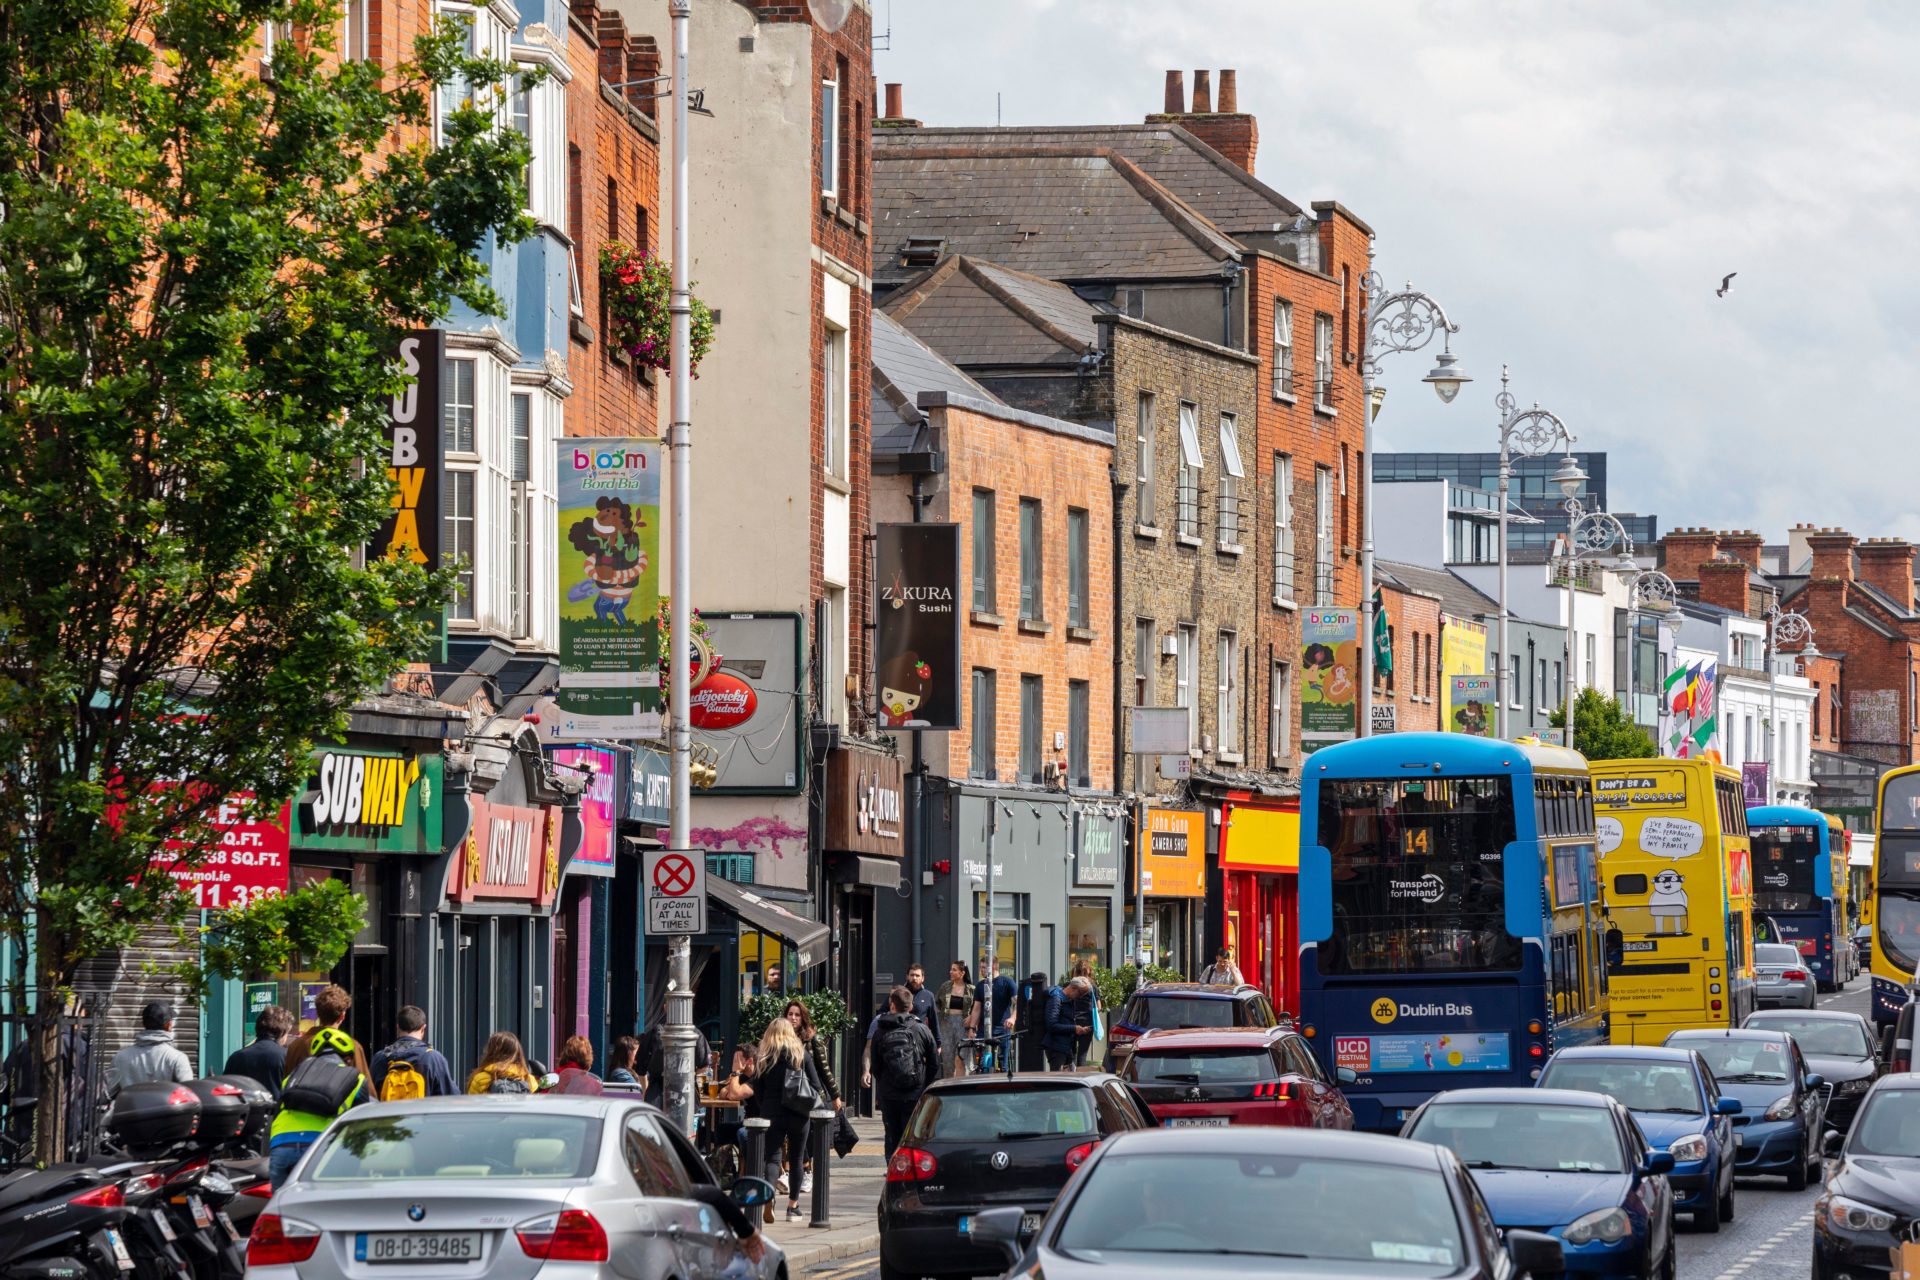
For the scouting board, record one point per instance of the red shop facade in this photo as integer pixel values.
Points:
(1259, 873)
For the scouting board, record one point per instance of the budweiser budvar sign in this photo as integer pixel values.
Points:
(722, 701)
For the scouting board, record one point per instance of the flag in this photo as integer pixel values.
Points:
(1382, 637)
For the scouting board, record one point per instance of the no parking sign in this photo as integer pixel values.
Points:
(676, 881)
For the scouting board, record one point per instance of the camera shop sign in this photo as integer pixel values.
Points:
(865, 803)
(366, 801)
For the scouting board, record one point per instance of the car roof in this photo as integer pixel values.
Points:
(1623, 1053)
(1209, 1037)
(1330, 1144)
(1203, 990)
(1535, 1097)
(994, 1081)
(1818, 1015)
(1733, 1033)
(549, 1103)
(1898, 1080)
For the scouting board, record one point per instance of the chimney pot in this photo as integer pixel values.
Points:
(1203, 93)
(894, 109)
(1229, 92)
(1176, 103)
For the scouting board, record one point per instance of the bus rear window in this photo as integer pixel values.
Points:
(1783, 868)
(1418, 874)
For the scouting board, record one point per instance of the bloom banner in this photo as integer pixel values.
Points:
(609, 579)
(1329, 643)
(1472, 700)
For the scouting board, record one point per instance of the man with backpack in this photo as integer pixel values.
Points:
(265, 1059)
(411, 1068)
(902, 1060)
(326, 1074)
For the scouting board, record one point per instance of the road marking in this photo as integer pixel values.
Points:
(1759, 1254)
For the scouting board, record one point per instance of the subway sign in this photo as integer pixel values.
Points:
(368, 801)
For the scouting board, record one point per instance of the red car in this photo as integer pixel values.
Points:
(1195, 1077)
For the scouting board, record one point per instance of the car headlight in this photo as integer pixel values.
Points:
(1843, 1214)
(1854, 1086)
(1782, 1109)
(1604, 1225)
(1691, 1147)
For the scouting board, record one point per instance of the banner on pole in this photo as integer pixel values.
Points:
(609, 581)
(1471, 698)
(916, 650)
(1329, 644)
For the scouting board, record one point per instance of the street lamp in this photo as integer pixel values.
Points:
(1592, 537)
(1646, 587)
(1390, 322)
(1784, 626)
(1534, 433)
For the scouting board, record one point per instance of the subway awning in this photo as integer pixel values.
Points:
(808, 937)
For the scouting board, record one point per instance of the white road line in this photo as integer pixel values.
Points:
(1737, 1270)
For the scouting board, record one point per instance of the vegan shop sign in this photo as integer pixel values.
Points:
(1329, 687)
(609, 549)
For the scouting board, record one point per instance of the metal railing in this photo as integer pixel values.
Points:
(1227, 518)
(1283, 564)
(1186, 505)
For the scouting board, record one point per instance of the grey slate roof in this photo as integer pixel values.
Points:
(1229, 196)
(1457, 596)
(980, 313)
(1053, 212)
(903, 367)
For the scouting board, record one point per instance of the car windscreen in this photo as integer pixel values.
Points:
(999, 1113)
(1265, 1206)
(1743, 1060)
(1775, 953)
(481, 1142)
(1524, 1135)
(1200, 1066)
(1668, 1088)
(1180, 1011)
(1829, 1037)
(1889, 1125)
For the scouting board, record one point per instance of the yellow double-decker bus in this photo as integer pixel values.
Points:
(1895, 902)
(1677, 884)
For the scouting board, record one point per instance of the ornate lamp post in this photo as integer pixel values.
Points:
(1784, 627)
(1592, 536)
(1533, 433)
(1649, 587)
(1406, 320)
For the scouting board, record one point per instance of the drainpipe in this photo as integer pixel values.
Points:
(917, 790)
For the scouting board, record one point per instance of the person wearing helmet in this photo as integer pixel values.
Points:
(294, 1129)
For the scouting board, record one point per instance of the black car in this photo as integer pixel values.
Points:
(1863, 946)
(1872, 1197)
(1160, 1005)
(985, 1142)
(1208, 1204)
(1838, 1047)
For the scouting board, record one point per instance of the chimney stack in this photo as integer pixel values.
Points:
(1724, 583)
(1887, 563)
(896, 111)
(1683, 551)
(1832, 551)
(1203, 93)
(1229, 92)
(893, 102)
(1234, 135)
(1744, 545)
(1176, 104)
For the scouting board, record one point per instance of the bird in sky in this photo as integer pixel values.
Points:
(1725, 284)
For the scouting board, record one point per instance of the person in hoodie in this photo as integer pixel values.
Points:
(153, 1057)
(413, 1049)
(902, 1060)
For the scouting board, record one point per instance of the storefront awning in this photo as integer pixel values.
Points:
(808, 937)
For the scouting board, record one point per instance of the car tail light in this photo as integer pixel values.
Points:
(1714, 1005)
(280, 1242)
(1078, 1156)
(1795, 975)
(1123, 1033)
(1275, 1090)
(260, 1191)
(910, 1164)
(106, 1197)
(572, 1235)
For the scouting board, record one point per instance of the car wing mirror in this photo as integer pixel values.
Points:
(998, 1228)
(1535, 1254)
(751, 1193)
(1815, 1080)
(1659, 1162)
(1831, 1141)
(1727, 1107)
(1346, 1075)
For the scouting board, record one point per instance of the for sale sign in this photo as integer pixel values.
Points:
(248, 863)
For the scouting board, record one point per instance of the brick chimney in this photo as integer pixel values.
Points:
(1227, 130)
(896, 117)
(1832, 551)
(1797, 549)
(643, 64)
(1744, 545)
(612, 37)
(1724, 583)
(1887, 563)
(1683, 551)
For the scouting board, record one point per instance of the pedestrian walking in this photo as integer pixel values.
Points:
(411, 1068)
(1061, 1029)
(923, 1000)
(784, 1091)
(1086, 1011)
(626, 1056)
(576, 1069)
(902, 1060)
(1223, 972)
(955, 1005)
(265, 1060)
(326, 1074)
(153, 1057)
(996, 1011)
(503, 1067)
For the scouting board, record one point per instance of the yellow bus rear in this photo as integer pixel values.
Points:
(1677, 884)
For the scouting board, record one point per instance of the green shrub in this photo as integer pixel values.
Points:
(827, 1009)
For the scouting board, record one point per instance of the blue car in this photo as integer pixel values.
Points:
(1677, 1104)
(1572, 1165)
(1785, 1103)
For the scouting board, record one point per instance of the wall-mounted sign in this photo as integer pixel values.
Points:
(364, 801)
(247, 862)
(865, 803)
(599, 806)
(721, 701)
(649, 788)
(511, 854)
(1329, 684)
(413, 455)
(1175, 854)
(1096, 860)
(609, 553)
(916, 647)
(760, 756)
(1472, 699)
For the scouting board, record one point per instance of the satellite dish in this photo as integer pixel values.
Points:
(832, 14)
(904, 888)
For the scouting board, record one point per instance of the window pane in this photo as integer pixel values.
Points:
(530, 1143)
(522, 437)
(1283, 579)
(1032, 712)
(1144, 473)
(1145, 662)
(1323, 360)
(829, 137)
(1280, 713)
(1282, 348)
(1227, 689)
(456, 418)
(983, 535)
(1078, 749)
(1077, 584)
(1030, 598)
(981, 718)
(457, 537)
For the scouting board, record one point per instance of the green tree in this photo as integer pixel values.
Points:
(1602, 729)
(309, 928)
(204, 273)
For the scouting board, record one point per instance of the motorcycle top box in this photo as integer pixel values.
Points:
(224, 1112)
(151, 1119)
(261, 1104)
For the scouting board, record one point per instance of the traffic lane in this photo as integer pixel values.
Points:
(1771, 1236)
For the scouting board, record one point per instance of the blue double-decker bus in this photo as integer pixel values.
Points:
(1795, 889)
(1450, 926)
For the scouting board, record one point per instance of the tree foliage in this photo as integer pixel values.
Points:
(204, 273)
(309, 928)
(828, 1009)
(1602, 730)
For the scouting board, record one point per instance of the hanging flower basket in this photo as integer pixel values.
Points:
(636, 286)
(700, 633)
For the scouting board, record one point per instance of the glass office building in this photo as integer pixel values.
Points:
(1530, 490)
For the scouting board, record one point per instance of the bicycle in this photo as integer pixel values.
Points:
(980, 1055)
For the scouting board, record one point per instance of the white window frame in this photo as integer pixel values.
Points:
(1147, 511)
(1227, 694)
(520, 471)
(272, 34)
(1192, 469)
(1183, 675)
(1280, 713)
(1592, 662)
(1323, 362)
(830, 138)
(356, 40)
(1232, 472)
(1285, 567)
(834, 654)
(1323, 569)
(488, 37)
(1283, 350)
(1513, 678)
(834, 347)
(1146, 662)
(546, 134)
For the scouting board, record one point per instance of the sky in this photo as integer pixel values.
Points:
(1570, 179)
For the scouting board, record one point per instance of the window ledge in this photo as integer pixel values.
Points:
(1036, 626)
(829, 203)
(836, 483)
(844, 216)
(1229, 757)
(1230, 548)
(860, 228)
(1186, 540)
(582, 331)
(1325, 410)
(1286, 397)
(1291, 606)
(988, 619)
(1147, 531)
(1282, 762)
(1081, 633)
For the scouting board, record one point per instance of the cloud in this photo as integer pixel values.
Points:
(1571, 181)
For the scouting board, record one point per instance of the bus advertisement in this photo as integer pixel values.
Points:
(1895, 902)
(1799, 881)
(1676, 878)
(1449, 905)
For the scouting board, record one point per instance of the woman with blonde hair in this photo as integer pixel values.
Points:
(503, 1067)
(781, 1054)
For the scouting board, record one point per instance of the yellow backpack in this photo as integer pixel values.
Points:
(403, 1082)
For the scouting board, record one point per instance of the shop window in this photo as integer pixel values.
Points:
(1089, 925)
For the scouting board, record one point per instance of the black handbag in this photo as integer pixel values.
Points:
(844, 1138)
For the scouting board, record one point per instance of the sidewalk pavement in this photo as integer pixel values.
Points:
(853, 1207)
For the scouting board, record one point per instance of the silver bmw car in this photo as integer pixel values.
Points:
(505, 1187)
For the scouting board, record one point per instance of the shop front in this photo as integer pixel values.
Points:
(1260, 866)
(1171, 864)
(863, 853)
(582, 922)
(1092, 923)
